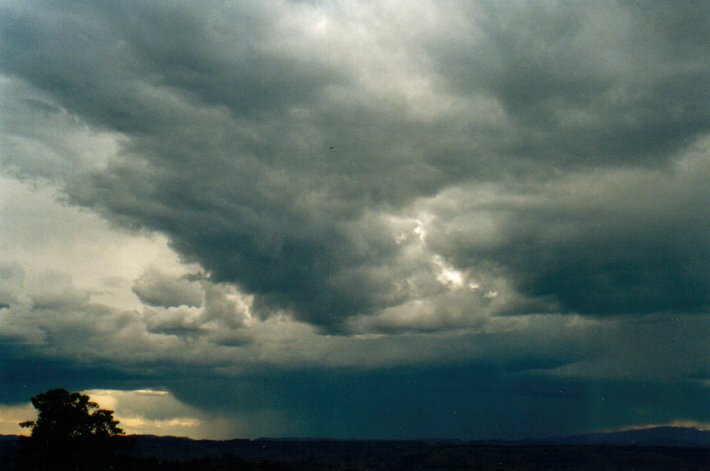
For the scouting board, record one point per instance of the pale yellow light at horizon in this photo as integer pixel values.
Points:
(139, 412)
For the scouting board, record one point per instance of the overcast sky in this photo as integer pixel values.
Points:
(372, 219)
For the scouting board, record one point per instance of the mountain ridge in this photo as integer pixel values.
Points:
(663, 435)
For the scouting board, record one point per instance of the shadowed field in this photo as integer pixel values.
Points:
(171, 453)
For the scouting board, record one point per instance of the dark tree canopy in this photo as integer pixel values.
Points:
(71, 433)
(69, 415)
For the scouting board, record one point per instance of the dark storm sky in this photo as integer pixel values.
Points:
(377, 218)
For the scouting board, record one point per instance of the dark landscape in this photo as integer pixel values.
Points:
(659, 448)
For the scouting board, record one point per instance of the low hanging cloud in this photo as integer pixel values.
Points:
(156, 289)
(628, 241)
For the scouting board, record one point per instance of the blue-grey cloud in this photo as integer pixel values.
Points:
(516, 189)
(157, 289)
(228, 134)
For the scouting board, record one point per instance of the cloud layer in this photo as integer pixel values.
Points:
(358, 185)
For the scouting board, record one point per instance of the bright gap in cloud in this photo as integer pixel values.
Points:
(158, 412)
(48, 236)
(141, 411)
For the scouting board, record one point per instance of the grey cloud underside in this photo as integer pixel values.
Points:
(228, 120)
(640, 246)
(589, 84)
(538, 374)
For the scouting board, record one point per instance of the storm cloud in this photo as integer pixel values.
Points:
(349, 182)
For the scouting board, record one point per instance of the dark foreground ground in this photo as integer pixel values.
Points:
(169, 453)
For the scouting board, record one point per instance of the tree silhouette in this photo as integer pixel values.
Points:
(64, 415)
(70, 432)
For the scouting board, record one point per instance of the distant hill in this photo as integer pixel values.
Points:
(654, 436)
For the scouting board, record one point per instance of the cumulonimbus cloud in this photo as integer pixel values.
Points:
(278, 162)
